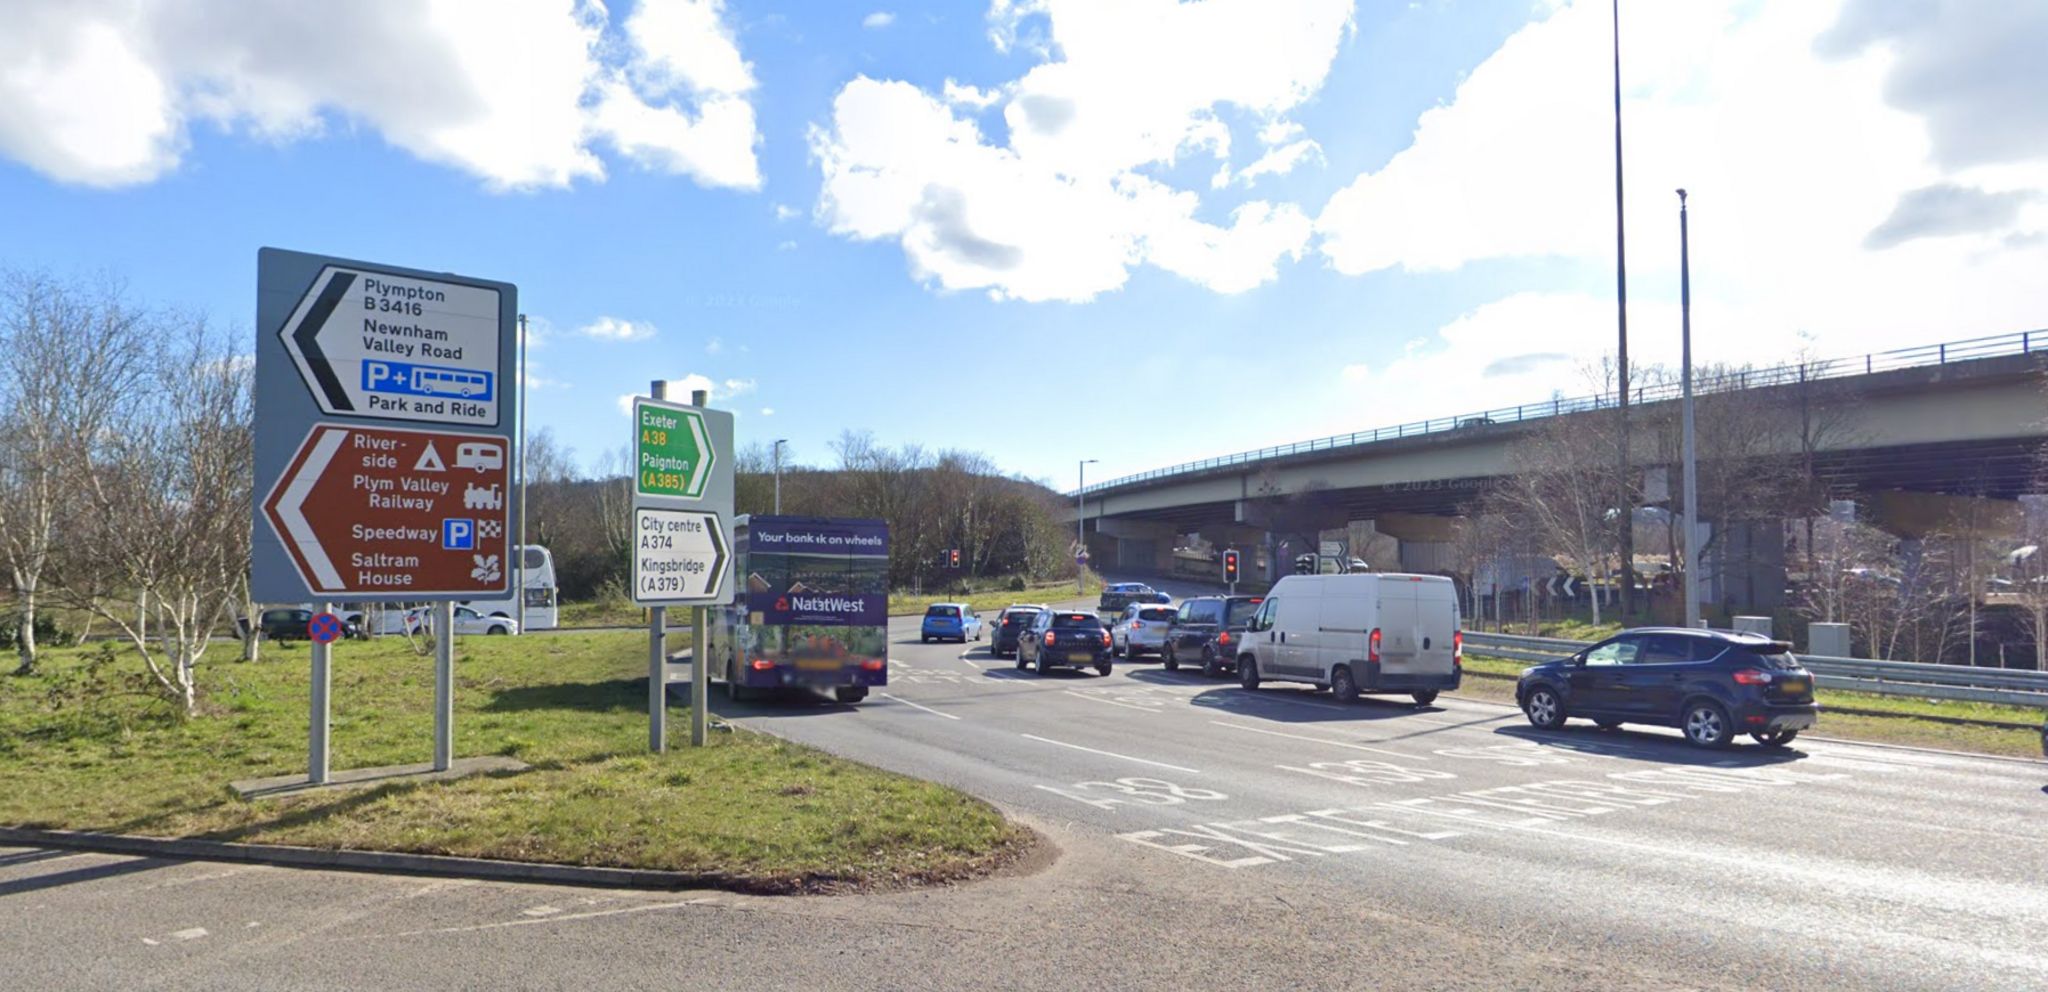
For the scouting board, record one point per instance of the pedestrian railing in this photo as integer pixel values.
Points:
(1997, 346)
(1885, 678)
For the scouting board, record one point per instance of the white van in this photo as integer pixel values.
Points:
(1383, 632)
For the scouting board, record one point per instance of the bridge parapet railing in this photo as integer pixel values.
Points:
(2005, 686)
(1995, 346)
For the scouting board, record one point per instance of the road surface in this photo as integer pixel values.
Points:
(1207, 838)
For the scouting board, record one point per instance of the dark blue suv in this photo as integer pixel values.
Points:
(1710, 684)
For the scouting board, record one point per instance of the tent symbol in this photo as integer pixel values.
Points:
(430, 461)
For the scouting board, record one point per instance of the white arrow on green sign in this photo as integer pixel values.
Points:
(672, 451)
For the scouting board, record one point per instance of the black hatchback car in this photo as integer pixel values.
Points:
(1010, 627)
(1060, 637)
(1710, 684)
(1208, 629)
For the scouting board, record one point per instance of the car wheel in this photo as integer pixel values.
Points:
(496, 630)
(1211, 668)
(1342, 685)
(1248, 673)
(1115, 650)
(1774, 738)
(1043, 667)
(1607, 724)
(1543, 708)
(1020, 659)
(1167, 659)
(924, 639)
(850, 693)
(1103, 669)
(1706, 724)
(1423, 698)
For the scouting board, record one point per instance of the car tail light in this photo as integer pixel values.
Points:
(1458, 648)
(873, 664)
(763, 664)
(1048, 638)
(1751, 676)
(1105, 638)
(1223, 638)
(1372, 645)
(1137, 625)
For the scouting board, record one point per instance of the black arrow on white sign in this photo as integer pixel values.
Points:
(308, 334)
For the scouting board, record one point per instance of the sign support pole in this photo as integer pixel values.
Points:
(317, 737)
(444, 685)
(657, 646)
(700, 677)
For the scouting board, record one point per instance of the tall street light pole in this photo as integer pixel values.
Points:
(1692, 465)
(779, 442)
(1627, 503)
(1081, 523)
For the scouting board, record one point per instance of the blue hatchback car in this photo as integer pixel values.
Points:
(950, 622)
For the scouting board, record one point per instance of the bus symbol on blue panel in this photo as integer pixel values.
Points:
(425, 380)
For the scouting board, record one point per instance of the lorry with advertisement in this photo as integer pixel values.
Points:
(811, 610)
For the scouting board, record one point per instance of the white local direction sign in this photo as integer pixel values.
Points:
(679, 558)
(373, 344)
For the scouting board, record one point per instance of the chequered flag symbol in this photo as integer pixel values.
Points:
(488, 529)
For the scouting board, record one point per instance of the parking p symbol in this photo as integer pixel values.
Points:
(458, 534)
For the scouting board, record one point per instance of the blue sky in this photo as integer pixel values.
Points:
(1034, 228)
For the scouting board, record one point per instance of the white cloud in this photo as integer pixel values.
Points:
(767, 411)
(1062, 211)
(785, 246)
(878, 19)
(614, 329)
(784, 211)
(1821, 218)
(1279, 161)
(714, 346)
(1354, 373)
(107, 92)
(539, 331)
(679, 390)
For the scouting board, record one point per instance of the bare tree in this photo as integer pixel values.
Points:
(66, 356)
(1560, 490)
(163, 535)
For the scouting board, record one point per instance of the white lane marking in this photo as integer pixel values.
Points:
(148, 941)
(900, 663)
(544, 920)
(1112, 702)
(912, 705)
(1319, 740)
(1112, 754)
(192, 934)
(540, 911)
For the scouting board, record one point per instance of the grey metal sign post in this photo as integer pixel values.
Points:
(386, 402)
(682, 502)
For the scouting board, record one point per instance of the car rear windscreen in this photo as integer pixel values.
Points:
(1776, 654)
(1070, 621)
(943, 611)
(1241, 611)
(1161, 614)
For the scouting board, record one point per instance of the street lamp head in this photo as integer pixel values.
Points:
(1681, 196)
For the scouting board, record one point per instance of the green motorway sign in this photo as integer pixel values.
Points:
(672, 450)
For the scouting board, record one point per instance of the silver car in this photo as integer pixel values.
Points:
(1140, 630)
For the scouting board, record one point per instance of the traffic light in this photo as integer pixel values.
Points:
(954, 555)
(1230, 566)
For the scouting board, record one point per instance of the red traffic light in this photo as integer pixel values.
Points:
(955, 556)
(1230, 564)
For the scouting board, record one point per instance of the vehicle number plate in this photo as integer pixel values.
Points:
(817, 664)
(1793, 685)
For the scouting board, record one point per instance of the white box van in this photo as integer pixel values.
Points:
(1382, 632)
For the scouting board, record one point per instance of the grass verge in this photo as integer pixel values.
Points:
(909, 604)
(748, 812)
(1860, 716)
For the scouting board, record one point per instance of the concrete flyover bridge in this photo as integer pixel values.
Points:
(1919, 425)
